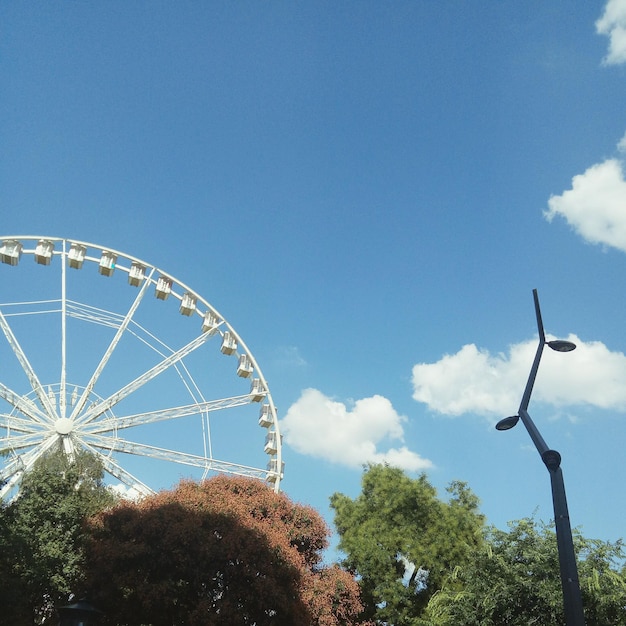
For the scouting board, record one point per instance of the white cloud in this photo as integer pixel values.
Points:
(319, 426)
(613, 24)
(621, 146)
(595, 206)
(289, 356)
(474, 381)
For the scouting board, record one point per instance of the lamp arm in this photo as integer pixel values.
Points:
(542, 335)
(535, 435)
(538, 440)
(535, 366)
(531, 377)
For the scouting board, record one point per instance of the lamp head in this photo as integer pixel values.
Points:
(560, 345)
(507, 423)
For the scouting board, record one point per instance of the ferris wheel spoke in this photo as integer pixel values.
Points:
(18, 442)
(10, 422)
(93, 315)
(26, 366)
(108, 425)
(139, 449)
(98, 409)
(69, 447)
(115, 470)
(109, 351)
(24, 405)
(62, 396)
(10, 480)
(23, 462)
(172, 456)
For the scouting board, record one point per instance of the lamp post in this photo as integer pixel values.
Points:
(572, 601)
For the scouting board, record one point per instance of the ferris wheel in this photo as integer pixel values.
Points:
(104, 352)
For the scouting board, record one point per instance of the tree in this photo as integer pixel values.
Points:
(402, 541)
(42, 551)
(513, 579)
(222, 551)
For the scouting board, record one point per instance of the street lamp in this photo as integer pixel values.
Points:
(572, 601)
(80, 613)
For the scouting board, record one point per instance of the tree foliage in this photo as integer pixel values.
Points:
(41, 534)
(223, 551)
(402, 541)
(514, 579)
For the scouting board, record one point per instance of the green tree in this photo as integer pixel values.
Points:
(513, 579)
(42, 534)
(402, 541)
(223, 551)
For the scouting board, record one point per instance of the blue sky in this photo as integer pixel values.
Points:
(368, 192)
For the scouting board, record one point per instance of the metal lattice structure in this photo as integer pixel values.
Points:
(96, 357)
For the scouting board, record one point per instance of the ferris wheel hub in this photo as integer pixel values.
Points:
(64, 425)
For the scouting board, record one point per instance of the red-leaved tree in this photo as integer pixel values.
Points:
(222, 551)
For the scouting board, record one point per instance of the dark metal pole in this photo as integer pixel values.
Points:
(572, 600)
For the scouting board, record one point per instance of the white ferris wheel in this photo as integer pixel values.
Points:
(104, 352)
